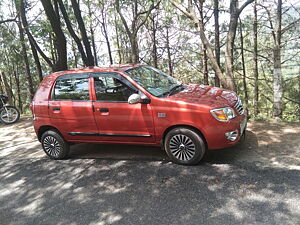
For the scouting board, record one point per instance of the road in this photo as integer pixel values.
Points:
(115, 184)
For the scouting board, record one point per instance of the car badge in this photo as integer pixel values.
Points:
(161, 115)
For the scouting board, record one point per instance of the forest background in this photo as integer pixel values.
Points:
(250, 46)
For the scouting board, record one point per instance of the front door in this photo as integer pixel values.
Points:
(71, 109)
(117, 120)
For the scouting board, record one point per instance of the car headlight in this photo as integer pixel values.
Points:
(223, 114)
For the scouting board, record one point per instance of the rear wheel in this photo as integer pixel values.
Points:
(54, 145)
(9, 114)
(184, 146)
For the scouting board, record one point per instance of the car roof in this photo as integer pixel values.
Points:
(111, 68)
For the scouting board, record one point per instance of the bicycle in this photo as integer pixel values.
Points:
(8, 114)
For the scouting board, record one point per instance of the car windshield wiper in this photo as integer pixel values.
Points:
(172, 90)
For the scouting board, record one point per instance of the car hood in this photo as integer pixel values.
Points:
(206, 95)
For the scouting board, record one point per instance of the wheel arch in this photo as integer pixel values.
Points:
(45, 128)
(198, 131)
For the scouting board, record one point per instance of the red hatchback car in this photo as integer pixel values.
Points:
(135, 104)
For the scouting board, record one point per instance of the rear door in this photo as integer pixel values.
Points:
(71, 107)
(117, 120)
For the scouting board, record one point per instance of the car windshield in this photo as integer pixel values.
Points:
(154, 81)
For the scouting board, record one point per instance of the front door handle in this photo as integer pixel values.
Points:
(56, 109)
(104, 110)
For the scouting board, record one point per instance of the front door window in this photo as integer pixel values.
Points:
(111, 89)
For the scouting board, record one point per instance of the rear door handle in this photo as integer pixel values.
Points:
(56, 109)
(104, 110)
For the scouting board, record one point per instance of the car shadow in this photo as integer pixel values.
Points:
(243, 151)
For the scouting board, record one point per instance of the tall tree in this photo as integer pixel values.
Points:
(103, 22)
(153, 19)
(243, 63)
(86, 42)
(60, 42)
(217, 38)
(91, 26)
(227, 79)
(277, 82)
(7, 87)
(24, 53)
(17, 79)
(204, 54)
(170, 63)
(84, 57)
(138, 20)
(255, 55)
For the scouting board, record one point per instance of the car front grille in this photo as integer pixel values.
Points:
(239, 106)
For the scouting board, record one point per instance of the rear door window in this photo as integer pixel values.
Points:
(71, 89)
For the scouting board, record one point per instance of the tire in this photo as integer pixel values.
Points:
(11, 117)
(54, 145)
(184, 146)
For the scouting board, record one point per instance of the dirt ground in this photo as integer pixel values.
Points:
(270, 143)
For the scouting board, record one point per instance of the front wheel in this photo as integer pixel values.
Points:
(184, 146)
(9, 114)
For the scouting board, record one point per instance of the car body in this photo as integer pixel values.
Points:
(132, 104)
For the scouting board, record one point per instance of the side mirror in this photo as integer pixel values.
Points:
(134, 99)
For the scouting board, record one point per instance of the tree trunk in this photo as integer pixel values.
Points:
(118, 42)
(299, 94)
(52, 51)
(277, 82)
(7, 88)
(34, 46)
(17, 79)
(217, 38)
(84, 36)
(170, 64)
(73, 34)
(60, 40)
(37, 61)
(243, 64)
(26, 61)
(230, 40)
(21, 9)
(94, 46)
(92, 34)
(1, 86)
(255, 53)
(134, 49)
(108, 48)
(136, 24)
(104, 29)
(205, 69)
(154, 47)
(226, 81)
(74, 54)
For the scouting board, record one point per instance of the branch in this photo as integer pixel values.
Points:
(292, 100)
(244, 5)
(30, 37)
(122, 18)
(147, 15)
(72, 32)
(270, 20)
(183, 9)
(8, 20)
(290, 25)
